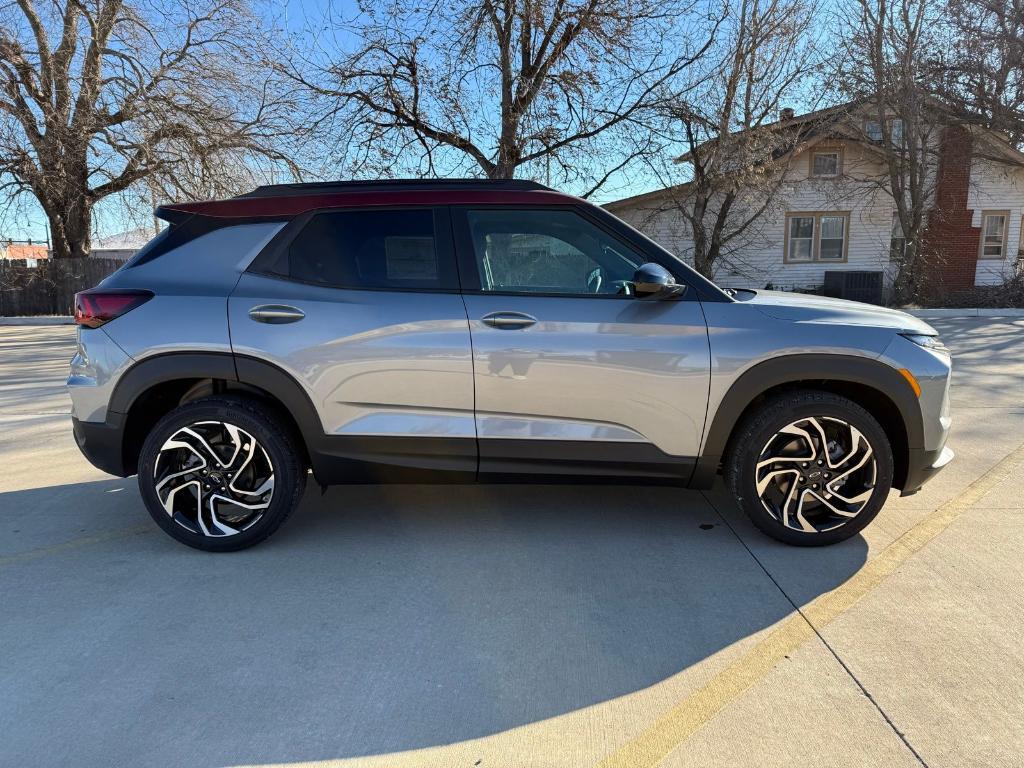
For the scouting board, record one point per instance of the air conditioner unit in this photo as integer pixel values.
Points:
(855, 285)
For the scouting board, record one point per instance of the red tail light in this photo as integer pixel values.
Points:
(96, 306)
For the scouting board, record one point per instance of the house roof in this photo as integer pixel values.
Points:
(821, 121)
(646, 197)
(130, 240)
(817, 118)
(24, 251)
(1001, 147)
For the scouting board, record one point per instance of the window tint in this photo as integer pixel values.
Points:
(548, 252)
(370, 249)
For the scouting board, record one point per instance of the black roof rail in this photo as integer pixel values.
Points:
(390, 185)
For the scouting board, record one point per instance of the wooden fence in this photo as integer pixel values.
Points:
(50, 287)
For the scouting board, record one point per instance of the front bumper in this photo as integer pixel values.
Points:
(923, 465)
(101, 443)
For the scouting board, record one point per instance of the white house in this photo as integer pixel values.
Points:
(832, 210)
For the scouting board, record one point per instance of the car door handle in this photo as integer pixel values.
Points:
(276, 314)
(508, 321)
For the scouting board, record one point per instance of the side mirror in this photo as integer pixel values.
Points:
(653, 281)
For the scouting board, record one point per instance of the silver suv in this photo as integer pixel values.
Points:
(478, 331)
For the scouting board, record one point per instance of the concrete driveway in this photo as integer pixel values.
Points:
(512, 626)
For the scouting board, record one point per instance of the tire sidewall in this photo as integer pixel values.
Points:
(266, 433)
(776, 415)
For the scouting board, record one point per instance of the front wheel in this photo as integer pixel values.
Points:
(221, 473)
(810, 468)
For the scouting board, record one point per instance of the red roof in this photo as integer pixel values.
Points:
(273, 206)
(22, 251)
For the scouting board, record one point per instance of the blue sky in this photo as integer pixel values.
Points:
(307, 19)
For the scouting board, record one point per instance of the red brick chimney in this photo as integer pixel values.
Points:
(949, 238)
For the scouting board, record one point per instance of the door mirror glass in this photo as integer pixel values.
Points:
(653, 281)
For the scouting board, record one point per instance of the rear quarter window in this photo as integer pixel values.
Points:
(370, 249)
(151, 249)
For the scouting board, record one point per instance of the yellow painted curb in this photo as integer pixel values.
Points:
(651, 746)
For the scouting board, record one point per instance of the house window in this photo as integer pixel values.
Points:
(993, 234)
(817, 236)
(896, 131)
(832, 243)
(897, 240)
(873, 130)
(826, 162)
(801, 238)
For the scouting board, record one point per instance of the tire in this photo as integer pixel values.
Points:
(235, 452)
(779, 446)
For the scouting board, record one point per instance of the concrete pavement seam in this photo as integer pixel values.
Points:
(651, 746)
(885, 715)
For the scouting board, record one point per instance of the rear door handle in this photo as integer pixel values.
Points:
(508, 321)
(276, 314)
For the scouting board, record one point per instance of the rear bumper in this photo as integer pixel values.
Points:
(101, 443)
(923, 465)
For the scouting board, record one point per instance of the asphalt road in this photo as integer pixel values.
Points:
(513, 625)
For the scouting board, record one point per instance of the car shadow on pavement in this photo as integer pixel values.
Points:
(379, 619)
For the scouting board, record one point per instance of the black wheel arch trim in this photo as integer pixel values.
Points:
(234, 369)
(148, 372)
(805, 369)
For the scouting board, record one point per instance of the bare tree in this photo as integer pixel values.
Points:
(982, 68)
(98, 97)
(887, 67)
(505, 87)
(736, 163)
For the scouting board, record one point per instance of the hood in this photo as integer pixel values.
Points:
(802, 307)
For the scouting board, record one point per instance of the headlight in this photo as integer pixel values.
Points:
(929, 342)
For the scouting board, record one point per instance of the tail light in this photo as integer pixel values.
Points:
(96, 306)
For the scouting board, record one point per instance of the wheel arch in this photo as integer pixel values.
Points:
(155, 385)
(877, 387)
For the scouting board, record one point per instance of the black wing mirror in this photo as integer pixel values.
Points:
(653, 281)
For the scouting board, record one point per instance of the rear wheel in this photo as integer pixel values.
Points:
(221, 473)
(810, 468)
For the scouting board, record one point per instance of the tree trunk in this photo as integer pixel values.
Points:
(505, 167)
(70, 222)
(704, 263)
(703, 258)
(905, 285)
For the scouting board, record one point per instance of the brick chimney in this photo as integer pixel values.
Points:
(949, 235)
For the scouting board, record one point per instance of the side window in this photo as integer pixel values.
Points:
(556, 251)
(396, 249)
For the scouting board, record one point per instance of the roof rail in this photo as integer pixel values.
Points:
(386, 185)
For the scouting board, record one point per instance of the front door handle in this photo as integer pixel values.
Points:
(276, 314)
(508, 321)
